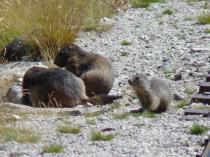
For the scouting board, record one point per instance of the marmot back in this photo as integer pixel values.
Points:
(57, 87)
(154, 94)
(95, 70)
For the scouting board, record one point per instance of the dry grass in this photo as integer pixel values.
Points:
(49, 23)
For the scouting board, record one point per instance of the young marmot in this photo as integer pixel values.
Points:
(95, 70)
(154, 94)
(57, 87)
(20, 48)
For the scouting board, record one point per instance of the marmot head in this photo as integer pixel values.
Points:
(19, 48)
(138, 80)
(68, 51)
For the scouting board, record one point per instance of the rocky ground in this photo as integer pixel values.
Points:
(160, 45)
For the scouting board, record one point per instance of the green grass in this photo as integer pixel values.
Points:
(197, 129)
(121, 116)
(182, 104)
(167, 12)
(50, 23)
(125, 42)
(207, 31)
(68, 129)
(191, 2)
(53, 148)
(99, 136)
(143, 3)
(145, 114)
(18, 135)
(204, 19)
(93, 114)
(4, 120)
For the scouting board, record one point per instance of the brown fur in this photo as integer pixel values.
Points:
(95, 70)
(57, 88)
(154, 94)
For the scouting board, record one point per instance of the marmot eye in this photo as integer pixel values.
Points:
(20, 43)
(137, 78)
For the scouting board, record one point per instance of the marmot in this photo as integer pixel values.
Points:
(20, 48)
(154, 94)
(43, 87)
(95, 70)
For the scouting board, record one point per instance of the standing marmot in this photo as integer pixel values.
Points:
(95, 70)
(57, 87)
(154, 94)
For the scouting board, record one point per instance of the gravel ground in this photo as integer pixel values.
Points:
(160, 45)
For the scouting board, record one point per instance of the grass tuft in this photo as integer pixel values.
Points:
(50, 23)
(18, 135)
(207, 31)
(182, 104)
(93, 114)
(99, 136)
(145, 114)
(125, 42)
(167, 12)
(121, 116)
(69, 129)
(143, 3)
(53, 148)
(204, 19)
(197, 129)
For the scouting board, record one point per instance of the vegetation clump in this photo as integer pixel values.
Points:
(167, 12)
(197, 129)
(143, 3)
(52, 148)
(50, 23)
(99, 136)
(204, 19)
(69, 129)
(18, 135)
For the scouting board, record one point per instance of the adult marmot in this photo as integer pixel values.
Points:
(95, 70)
(57, 87)
(154, 94)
